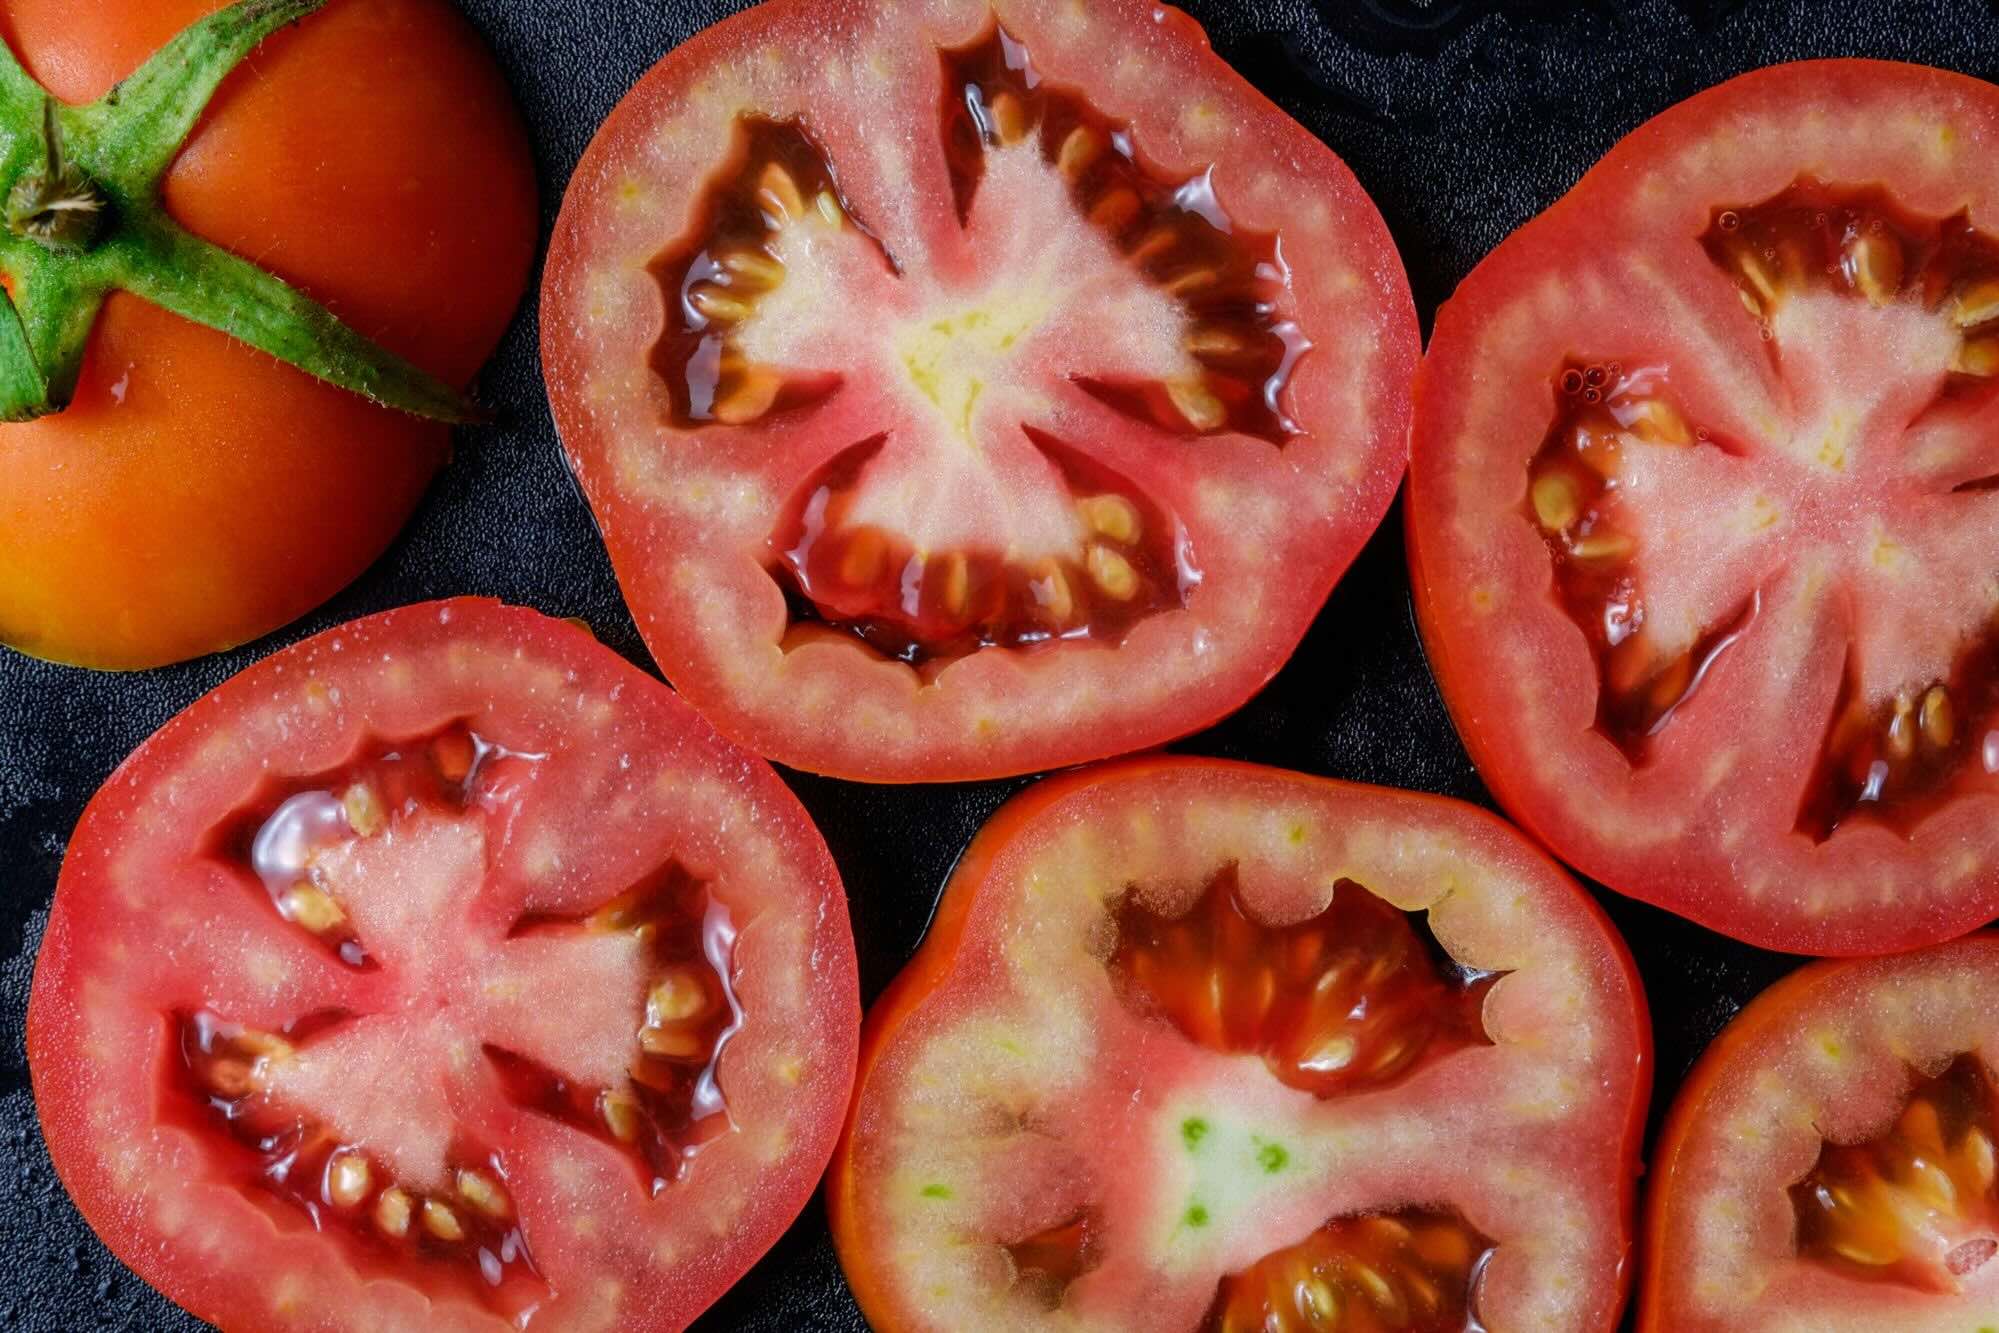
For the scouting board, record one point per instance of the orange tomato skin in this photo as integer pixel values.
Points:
(197, 493)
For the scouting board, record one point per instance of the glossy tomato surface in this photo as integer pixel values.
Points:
(1200, 1045)
(443, 971)
(957, 401)
(1829, 1164)
(1703, 514)
(197, 494)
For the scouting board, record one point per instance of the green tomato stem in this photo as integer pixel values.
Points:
(84, 218)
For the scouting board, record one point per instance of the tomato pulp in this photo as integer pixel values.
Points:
(1199, 1045)
(956, 401)
(1702, 510)
(195, 493)
(443, 971)
(1830, 1163)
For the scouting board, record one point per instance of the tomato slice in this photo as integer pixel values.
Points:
(1182, 1051)
(1704, 455)
(956, 401)
(1829, 1164)
(443, 970)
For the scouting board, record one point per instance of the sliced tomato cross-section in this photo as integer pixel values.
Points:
(1197, 1045)
(1830, 1163)
(1704, 510)
(963, 394)
(443, 971)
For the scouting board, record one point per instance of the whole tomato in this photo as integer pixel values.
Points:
(194, 492)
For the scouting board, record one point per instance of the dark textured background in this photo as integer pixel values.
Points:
(1463, 120)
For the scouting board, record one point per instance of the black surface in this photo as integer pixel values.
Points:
(1462, 119)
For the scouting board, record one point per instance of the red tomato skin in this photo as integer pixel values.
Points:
(632, 536)
(932, 965)
(197, 494)
(1690, 877)
(73, 944)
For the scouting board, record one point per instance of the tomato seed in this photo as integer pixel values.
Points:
(441, 1222)
(392, 1212)
(1079, 152)
(1978, 357)
(777, 192)
(1112, 573)
(716, 305)
(1197, 405)
(747, 397)
(676, 997)
(621, 1116)
(348, 1179)
(1938, 726)
(1976, 303)
(479, 1190)
(1557, 501)
(364, 810)
(1008, 117)
(1873, 264)
(312, 907)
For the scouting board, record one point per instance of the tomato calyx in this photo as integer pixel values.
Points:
(85, 218)
(58, 207)
(1916, 1205)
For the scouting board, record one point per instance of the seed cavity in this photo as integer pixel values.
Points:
(1233, 284)
(1914, 1206)
(1603, 410)
(929, 608)
(1417, 1270)
(466, 1237)
(1348, 1000)
(670, 1103)
(776, 176)
(1857, 241)
(1046, 1262)
(1894, 759)
(282, 838)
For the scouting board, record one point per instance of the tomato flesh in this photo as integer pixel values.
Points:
(953, 390)
(444, 968)
(1177, 1055)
